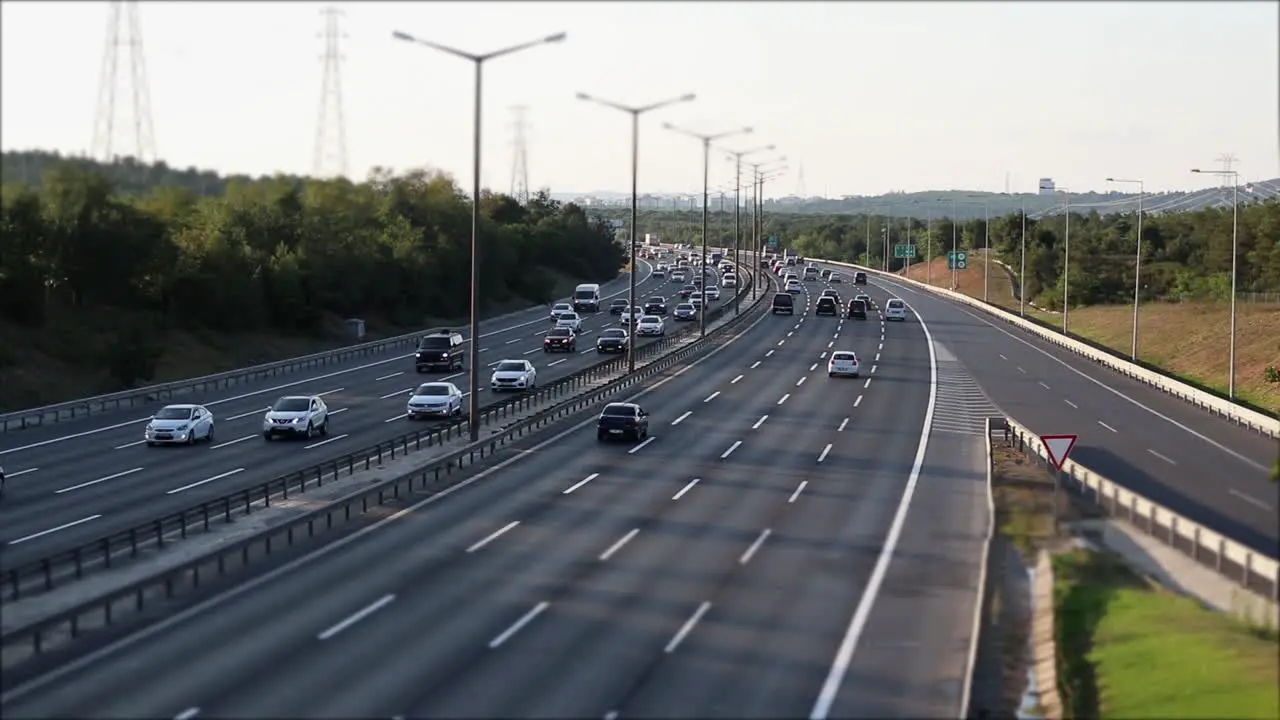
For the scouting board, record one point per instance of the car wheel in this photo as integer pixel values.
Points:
(311, 431)
(324, 428)
(191, 439)
(266, 437)
(209, 435)
(600, 436)
(150, 444)
(831, 375)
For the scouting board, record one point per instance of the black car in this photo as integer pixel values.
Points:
(439, 351)
(655, 306)
(617, 306)
(831, 294)
(612, 340)
(560, 340)
(827, 306)
(783, 303)
(826, 274)
(857, 310)
(859, 278)
(622, 421)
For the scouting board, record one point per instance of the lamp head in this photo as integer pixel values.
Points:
(558, 37)
(398, 35)
(583, 96)
(690, 97)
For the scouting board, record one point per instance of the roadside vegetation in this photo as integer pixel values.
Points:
(112, 276)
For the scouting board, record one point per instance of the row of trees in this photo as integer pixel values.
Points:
(279, 255)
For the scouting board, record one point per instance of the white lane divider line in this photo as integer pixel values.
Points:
(580, 483)
(877, 357)
(880, 346)
(732, 447)
(1002, 357)
(680, 419)
(874, 367)
(187, 714)
(823, 355)
(129, 445)
(22, 472)
(1250, 499)
(858, 401)
(759, 422)
(866, 384)
(783, 398)
(1024, 372)
(357, 616)
(793, 332)
(687, 628)
(755, 365)
(1162, 457)
(512, 342)
(397, 393)
(780, 342)
(1071, 404)
(735, 380)
(556, 362)
(843, 424)
(1046, 387)
(519, 625)
(813, 367)
(833, 342)
(494, 536)
(770, 353)
(253, 412)
(388, 377)
(641, 446)
(335, 438)
(330, 392)
(751, 551)
(825, 450)
(530, 352)
(233, 442)
(401, 416)
(63, 526)
(801, 381)
(686, 488)
(99, 480)
(338, 411)
(711, 397)
(1107, 426)
(198, 483)
(618, 545)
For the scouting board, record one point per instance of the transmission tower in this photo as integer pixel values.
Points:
(800, 188)
(331, 129)
(124, 33)
(1227, 160)
(520, 154)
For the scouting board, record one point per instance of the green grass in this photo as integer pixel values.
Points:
(1128, 650)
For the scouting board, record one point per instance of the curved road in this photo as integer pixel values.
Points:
(73, 482)
(734, 565)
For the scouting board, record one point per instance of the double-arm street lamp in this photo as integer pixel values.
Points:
(1137, 265)
(473, 407)
(706, 180)
(762, 174)
(1235, 189)
(737, 219)
(635, 111)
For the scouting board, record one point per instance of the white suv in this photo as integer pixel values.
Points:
(895, 309)
(296, 415)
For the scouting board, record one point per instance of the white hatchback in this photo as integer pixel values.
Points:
(895, 309)
(843, 362)
(651, 325)
(712, 292)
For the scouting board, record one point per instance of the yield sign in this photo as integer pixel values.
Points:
(1058, 447)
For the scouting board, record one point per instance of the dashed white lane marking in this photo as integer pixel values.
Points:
(1046, 387)
(618, 545)
(1107, 426)
(734, 446)
(641, 446)
(783, 398)
(1162, 457)
(198, 483)
(687, 627)
(99, 480)
(398, 374)
(335, 438)
(799, 489)
(770, 353)
(63, 526)
(1071, 404)
(1250, 499)
(755, 365)
(866, 384)
(825, 450)
(759, 422)
(680, 419)
(187, 714)
(711, 397)
(843, 423)
(686, 488)
(580, 483)
(735, 380)
(751, 551)
(254, 412)
(390, 395)
(493, 536)
(801, 381)
(357, 616)
(519, 625)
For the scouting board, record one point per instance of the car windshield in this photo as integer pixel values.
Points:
(434, 343)
(291, 405)
(432, 389)
(619, 303)
(618, 411)
(511, 366)
(685, 306)
(173, 413)
(656, 301)
(826, 301)
(895, 304)
(584, 294)
(843, 356)
(613, 333)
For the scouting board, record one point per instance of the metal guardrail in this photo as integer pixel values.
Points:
(1261, 422)
(1251, 570)
(22, 644)
(51, 571)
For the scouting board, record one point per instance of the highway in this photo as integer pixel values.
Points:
(72, 482)
(1200, 466)
(736, 564)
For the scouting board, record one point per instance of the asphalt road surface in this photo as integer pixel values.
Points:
(68, 485)
(736, 564)
(1200, 466)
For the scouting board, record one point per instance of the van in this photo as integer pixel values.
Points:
(859, 278)
(895, 309)
(439, 351)
(783, 303)
(586, 297)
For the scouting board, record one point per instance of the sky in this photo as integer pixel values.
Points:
(864, 97)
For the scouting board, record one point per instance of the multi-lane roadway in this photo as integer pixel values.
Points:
(1200, 466)
(783, 544)
(75, 481)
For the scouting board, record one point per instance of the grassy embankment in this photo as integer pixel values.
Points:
(1127, 648)
(63, 360)
(1185, 339)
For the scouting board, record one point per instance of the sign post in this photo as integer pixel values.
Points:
(1057, 447)
(958, 260)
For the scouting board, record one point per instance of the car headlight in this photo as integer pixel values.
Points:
(297, 420)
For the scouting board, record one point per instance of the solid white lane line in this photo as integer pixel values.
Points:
(330, 392)
(618, 545)
(783, 398)
(641, 446)
(843, 423)
(735, 380)
(556, 362)
(95, 482)
(687, 627)
(198, 483)
(22, 472)
(253, 412)
(711, 397)
(519, 625)
(800, 382)
(187, 714)
(825, 450)
(388, 377)
(233, 442)
(1250, 499)
(680, 419)
(759, 422)
(751, 551)
(129, 445)
(1162, 457)
(732, 447)
(866, 384)
(356, 617)
(770, 353)
(335, 438)
(64, 526)
(686, 488)
(493, 536)
(397, 393)
(755, 365)
(1107, 426)
(1071, 404)
(580, 483)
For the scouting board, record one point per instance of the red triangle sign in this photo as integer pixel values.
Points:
(1058, 447)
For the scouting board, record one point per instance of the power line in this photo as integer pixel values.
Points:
(124, 33)
(520, 154)
(331, 128)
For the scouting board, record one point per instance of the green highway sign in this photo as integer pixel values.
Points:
(773, 242)
(904, 251)
(958, 260)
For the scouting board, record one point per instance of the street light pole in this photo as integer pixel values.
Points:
(986, 247)
(1137, 264)
(737, 224)
(473, 369)
(635, 112)
(1022, 274)
(706, 181)
(1066, 261)
(1235, 227)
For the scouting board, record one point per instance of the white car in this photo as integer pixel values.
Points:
(570, 320)
(296, 415)
(729, 281)
(895, 309)
(561, 309)
(835, 279)
(513, 375)
(185, 424)
(794, 287)
(434, 399)
(712, 292)
(651, 325)
(843, 362)
(628, 316)
(695, 298)
(660, 271)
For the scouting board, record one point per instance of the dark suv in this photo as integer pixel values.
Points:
(859, 278)
(827, 306)
(655, 306)
(622, 421)
(560, 340)
(857, 310)
(439, 351)
(783, 303)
